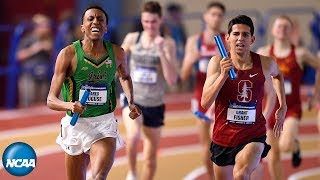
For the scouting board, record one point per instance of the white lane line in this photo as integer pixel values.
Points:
(27, 112)
(195, 173)
(29, 131)
(304, 173)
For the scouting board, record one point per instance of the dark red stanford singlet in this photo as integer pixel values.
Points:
(238, 107)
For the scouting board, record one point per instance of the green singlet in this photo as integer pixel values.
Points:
(96, 75)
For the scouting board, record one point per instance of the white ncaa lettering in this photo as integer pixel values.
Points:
(19, 163)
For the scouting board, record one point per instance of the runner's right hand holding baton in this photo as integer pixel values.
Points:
(83, 101)
(224, 54)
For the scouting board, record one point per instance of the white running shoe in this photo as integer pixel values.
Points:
(130, 176)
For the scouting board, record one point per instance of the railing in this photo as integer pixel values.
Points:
(12, 70)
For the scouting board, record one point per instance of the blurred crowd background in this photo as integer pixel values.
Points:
(33, 32)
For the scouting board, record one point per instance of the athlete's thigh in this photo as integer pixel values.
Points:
(223, 172)
(250, 156)
(76, 166)
(290, 131)
(151, 139)
(102, 154)
(204, 131)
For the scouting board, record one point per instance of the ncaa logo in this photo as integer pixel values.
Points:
(19, 159)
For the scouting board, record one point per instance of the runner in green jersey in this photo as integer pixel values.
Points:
(91, 64)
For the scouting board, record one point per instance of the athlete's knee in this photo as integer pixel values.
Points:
(98, 175)
(150, 162)
(274, 158)
(241, 173)
(274, 154)
(133, 138)
(286, 146)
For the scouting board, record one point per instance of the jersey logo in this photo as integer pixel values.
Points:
(253, 75)
(284, 69)
(84, 68)
(244, 91)
(99, 76)
(108, 63)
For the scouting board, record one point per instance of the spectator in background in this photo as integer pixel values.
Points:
(65, 34)
(176, 28)
(34, 55)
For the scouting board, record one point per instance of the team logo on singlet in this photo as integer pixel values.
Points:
(244, 91)
(108, 63)
(93, 76)
(284, 68)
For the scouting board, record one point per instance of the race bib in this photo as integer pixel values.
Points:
(287, 87)
(194, 105)
(242, 113)
(145, 75)
(203, 65)
(98, 94)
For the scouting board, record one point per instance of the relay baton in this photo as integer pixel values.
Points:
(202, 116)
(224, 54)
(83, 100)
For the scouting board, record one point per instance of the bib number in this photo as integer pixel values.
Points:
(242, 113)
(98, 94)
(287, 87)
(203, 65)
(145, 75)
(194, 105)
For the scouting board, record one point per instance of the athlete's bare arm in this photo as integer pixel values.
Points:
(129, 40)
(305, 56)
(190, 58)
(65, 66)
(270, 68)
(217, 74)
(125, 80)
(168, 59)
(270, 98)
(123, 73)
(270, 94)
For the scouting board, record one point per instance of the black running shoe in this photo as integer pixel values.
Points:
(296, 157)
